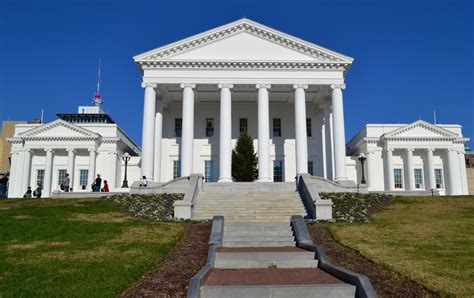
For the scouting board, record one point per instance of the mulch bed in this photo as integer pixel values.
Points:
(172, 277)
(385, 282)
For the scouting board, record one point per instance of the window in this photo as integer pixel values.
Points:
(310, 168)
(276, 127)
(83, 175)
(39, 177)
(243, 126)
(397, 176)
(277, 171)
(61, 176)
(208, 171)
(209, 127)
(178, 127)
(308, 127)
(418, 178)
(439, 178)
(176, 169)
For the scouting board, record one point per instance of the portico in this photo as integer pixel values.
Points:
(239, 66)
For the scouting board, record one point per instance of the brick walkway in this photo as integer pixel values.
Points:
(270, 276)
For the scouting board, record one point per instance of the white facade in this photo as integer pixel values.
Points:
(243, 70)
(43, 152)
(416, 157)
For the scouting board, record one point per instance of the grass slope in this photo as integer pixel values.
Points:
(82, 247)
(428, 239)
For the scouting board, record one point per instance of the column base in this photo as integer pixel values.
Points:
(264, 180)
(225, 180)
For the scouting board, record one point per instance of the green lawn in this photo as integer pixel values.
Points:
(79, 247)
(430, 240)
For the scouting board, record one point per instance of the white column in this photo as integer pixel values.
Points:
(225, 137)
(390, 183)
(14, 183)
(453, 177)
(91, 172)
(48, 173)
(26, 170)
(187, 138)
(148, 132)
(410, 173)
(321, 145)
(158, 139)
(462, 173)
(339, 133)
(70, 166)
(327, 135)
(430, 169)
(263, 134)
(301, 138)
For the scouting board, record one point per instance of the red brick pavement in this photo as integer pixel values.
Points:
(270, 276)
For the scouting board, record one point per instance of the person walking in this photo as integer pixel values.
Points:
(106, 186)
(66, 183)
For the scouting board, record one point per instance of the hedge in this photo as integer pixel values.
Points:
(153, 206)
(353, 207)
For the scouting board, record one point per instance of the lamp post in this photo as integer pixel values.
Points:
(126, 158)
(362, 159)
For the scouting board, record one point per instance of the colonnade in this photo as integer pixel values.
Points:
(153, 128)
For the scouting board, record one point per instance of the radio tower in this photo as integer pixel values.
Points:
(97, 100)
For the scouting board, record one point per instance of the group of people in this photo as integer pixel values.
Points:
(97, 183)
(65, 186)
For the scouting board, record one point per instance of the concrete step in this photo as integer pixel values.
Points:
(258, 238)
(227, 243)
(265, 256)
(261, 232)
(262, 291)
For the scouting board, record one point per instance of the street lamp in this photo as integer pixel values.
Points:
(362, 159)
(126, 158)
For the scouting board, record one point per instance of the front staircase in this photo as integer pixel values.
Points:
(258, 256)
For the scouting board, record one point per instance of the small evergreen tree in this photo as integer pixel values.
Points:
(244, 160)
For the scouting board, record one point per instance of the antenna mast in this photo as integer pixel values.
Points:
(434, 116)
(97, 100)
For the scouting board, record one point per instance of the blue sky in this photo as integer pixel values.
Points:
(411, 57)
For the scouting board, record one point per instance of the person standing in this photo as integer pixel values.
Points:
(106, 186)
(3, 186)
(97, 183)
(66, 183)
(27, 194)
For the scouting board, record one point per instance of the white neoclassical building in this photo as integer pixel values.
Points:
(203, 92)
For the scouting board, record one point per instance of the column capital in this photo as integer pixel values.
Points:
(146, 85)
(225, 85)
(73, 150)
(409, 149)
(341, 86)
(91, 150)
(430, 149)
(188, 85)
(27, 150)
(297, 86)
(48, 150)
(389, 149)
(263, 85)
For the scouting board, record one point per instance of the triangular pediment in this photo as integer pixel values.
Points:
(246, 41)
(58, 128)
(421, 129)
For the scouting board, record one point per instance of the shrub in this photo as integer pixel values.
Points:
(353, 207)
(153, 206)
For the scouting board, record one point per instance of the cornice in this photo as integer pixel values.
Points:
(60, 138)
(57, 123)
(238, 65)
